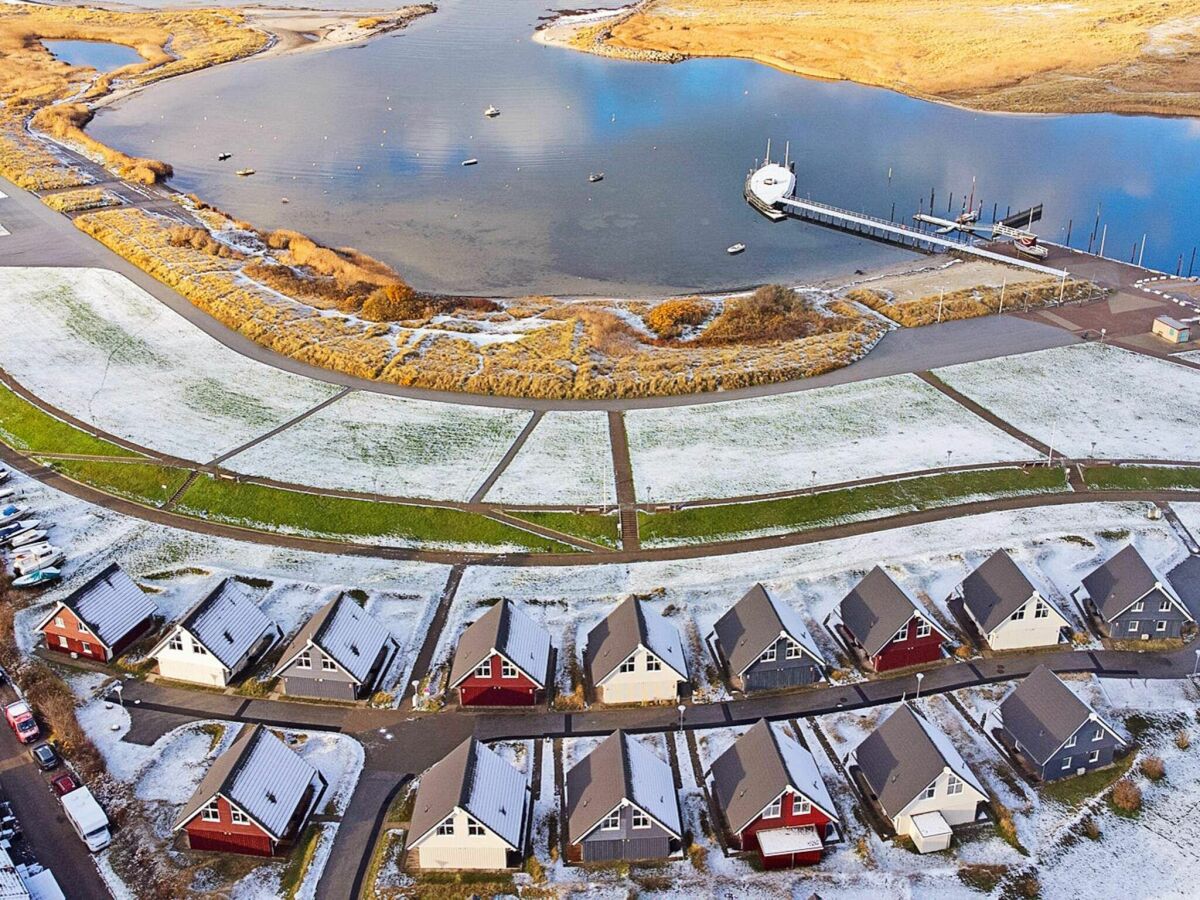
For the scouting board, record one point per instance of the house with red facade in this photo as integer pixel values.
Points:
(255, 799)
(101, 618)
(503, 659)
(773, 798)
(881, 621)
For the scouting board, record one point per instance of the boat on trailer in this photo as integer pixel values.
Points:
(37, 577)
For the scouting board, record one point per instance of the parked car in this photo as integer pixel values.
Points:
(64, 783)
(20, 719)
(45, 756)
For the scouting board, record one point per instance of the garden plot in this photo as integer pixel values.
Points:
(380, 444)
(1129, 406)
(567, 460)
(100, 348)
(869, 429)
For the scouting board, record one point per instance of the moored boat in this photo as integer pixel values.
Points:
(735, 249)
(245, 172)
(470, 162)
(596, 176)
(38, 576)
(491, 112)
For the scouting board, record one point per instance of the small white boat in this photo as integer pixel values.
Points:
(284, 200)
(245, 172)
(16, 529)
(26, 538)
(32, 551)
(11, 514)
(596, 176)
(44, 561)
(38, 576)
(221, 157)
(491, 112)
(3, 474)
(7, 494)
(735, 249)
(470, 162)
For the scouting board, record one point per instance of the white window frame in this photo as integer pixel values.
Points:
(1099, 735)
(639, 819)
(794, 650)
(768, 655)
(87, 648)
(954, 785)
(198, 648)
(474, 829)
(211, 811)
(62, 641)
(508, 670)
(1164, 606)
(1041, 610)
(901, 635)
(924, 629)
(1094, 756)
(484, 669)
(176, 642)
(1070, 741)
(446, 826)
(304, 659)
(59, 622)
(801, 806)
(327, 664)
(653, 663)
(1018, 614)
(775, 809)
(611, 822)
(628, 665)
(1138, 607)
(237, 817)
(930, 792)
(1133, 625)
(1161, 626)
(1066, 763)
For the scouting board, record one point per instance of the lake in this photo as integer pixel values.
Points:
(367, 145)
(100, 55)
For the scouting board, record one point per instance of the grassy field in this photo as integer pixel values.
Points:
(142, 482)
(25, 427)
(1143, 478)
(592, 527)
(273, 509)
(1077, 790)
(710, 523)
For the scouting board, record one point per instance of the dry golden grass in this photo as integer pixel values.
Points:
(81, 199)
(672, 317)
(969, 303)
(1039, 55)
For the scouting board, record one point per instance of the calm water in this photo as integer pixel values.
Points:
(367, 145)
(100, 55)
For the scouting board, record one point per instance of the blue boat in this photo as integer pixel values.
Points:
(38, 577)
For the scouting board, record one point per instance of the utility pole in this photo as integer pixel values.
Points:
(1103, 236)
(1143, 253)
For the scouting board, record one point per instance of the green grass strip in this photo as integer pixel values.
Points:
(598, 529)
(142, 482)
(25, 427)
(275, 509)
(1078, 789)
(1143, 478)
(710, 523)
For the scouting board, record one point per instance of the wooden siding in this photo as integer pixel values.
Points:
(912, 651)
(227, 836)
(748, 839)
(494, 690)
(780, 673)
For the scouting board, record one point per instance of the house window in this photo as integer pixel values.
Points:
(1018, 615)
(474, 829)
(304, 660)
(507, 669)
(775, 810)
(447, 826)
(62, 641)
(59, 623)
(612, 822)
(197, 647)
(653, 663)
(640, 819)
(176, 641)
(328, 665)
(1161, 626)
(801, 806)
(1070, 741)
(794, 650)
(924, 629)
(211, 811)
(484, 669)
(1099, 734)
(768, 655)
(1165, 606)
(1133, 626)
(1139, 606)
(1094, 756)
(238, 817)
(901, 635)
(630, 665)
(87, 648)
(930, 792)
(954, 785)
(1041, 611)
(1066, 764)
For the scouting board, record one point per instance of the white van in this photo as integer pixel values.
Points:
(87, 818)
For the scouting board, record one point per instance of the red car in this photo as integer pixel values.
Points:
(64, 784)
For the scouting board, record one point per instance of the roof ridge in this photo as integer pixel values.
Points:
(75, 594)
(333, 605)
(640, 618)
(468, 780)
(192, 614)
(626, 772)
(256, 732)
(504, 626)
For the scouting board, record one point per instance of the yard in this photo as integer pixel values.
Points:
(567, 460)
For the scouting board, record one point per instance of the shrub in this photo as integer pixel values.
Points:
(671, 317)
(698, 857)
(534, 868)
(1182, 740)
(1091, 829)
(200, 239)
(1153, 768)
(393, 303)
(1127, 796)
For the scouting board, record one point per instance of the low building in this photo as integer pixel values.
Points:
(621, 804)
(470, 812)
(764, 644)
(503, 659)
(880, 620)
(255, 799)
(341, 653)
(1054, 732)
(101, 618)
(1171, 330)
(632, 657)
(773, 798)
(217, 639)
(1131, 601)
(1006, 609)
(917, 779)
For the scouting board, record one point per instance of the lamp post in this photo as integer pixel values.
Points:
(920, 678)
(683, 709)
(1196, 667)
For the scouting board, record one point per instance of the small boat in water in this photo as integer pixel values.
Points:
(491, 112)
(470, 162)
(245, 172)
(221, 157)
(596, 176)
(735, 249)
(37, 577)
(284, 200)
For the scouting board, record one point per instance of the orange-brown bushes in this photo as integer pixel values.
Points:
(67, 120)
(1153, 768)
(671, 317)
(347, 265)
(1127, 796)
(969, 303)
(202, 240)
(393, 303)
(771, 313)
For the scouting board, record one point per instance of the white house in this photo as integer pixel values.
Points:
(1008, 611)
(635, 658)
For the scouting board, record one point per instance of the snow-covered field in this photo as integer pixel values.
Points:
(1131, 406)
(97, 346)
(389, 445)
(886, 426)
(1189, 515)
(567, 459)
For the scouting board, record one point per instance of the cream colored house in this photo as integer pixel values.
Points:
(632, 657)
(470, 812)
(918, 779)
(1007, 610)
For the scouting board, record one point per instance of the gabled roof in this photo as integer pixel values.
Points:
(760, 766)
(614, 638)
(754, 623)
(1042, 713)
(226, 621)
(506, 630)
(877, 608)
(479, 781)
(1123, 580)
(904, 755)
(260, 775)
(620, 769)
(343, 631)
(996, 590)
(109, 604)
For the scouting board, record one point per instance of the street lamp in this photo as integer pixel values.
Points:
(683, 708)
(1197, 665)
(920, 678)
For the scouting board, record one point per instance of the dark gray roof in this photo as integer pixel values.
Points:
(345, 632)
(904, 755)
(616, 636)
(1123, 580)
(1042, 713)
(506, 630)
(478, 780)
(760, 766)
(754, 623)
(996, 590)
(876, 609)
(109, 604)
(620, 769)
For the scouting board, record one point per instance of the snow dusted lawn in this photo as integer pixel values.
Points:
(389, 445)
(567, 460)
(1132, 406)
(885, 426)
(97, 346)
(1189, 515)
